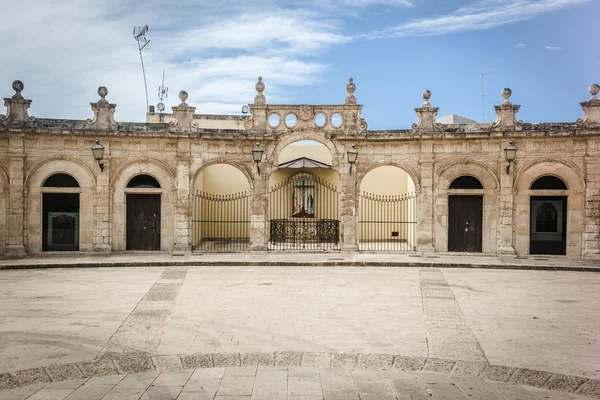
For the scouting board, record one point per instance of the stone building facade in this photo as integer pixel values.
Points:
(557, 163)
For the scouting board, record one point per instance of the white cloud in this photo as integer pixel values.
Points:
(477, 16)
(552, 48)
(520, 45)
(71, 47)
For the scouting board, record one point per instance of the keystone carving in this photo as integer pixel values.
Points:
(17, 106)
(305, 112)
(103, 113)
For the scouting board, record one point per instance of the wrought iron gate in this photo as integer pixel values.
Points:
(221, 222)
(304, 214)
(387, 222)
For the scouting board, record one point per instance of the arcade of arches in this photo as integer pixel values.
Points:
(186, 182)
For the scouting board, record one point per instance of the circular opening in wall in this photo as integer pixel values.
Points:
(290, 120)
(274, 120)
(320, 120)
(336, 120)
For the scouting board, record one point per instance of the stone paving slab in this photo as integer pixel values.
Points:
(237, 381)
(436, 260)
(275, 383)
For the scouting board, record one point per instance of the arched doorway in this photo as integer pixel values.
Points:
(387, 213)
(143, 213)
(465, 215)
(60, 213)
(221, 206)
(304, 198)
(548, 217)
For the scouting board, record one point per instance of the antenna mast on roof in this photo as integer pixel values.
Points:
(483, 95)
(138, 35)
(163, 93)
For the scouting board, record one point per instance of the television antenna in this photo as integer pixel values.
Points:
(139, 33)
(163, 93)
(483, 95)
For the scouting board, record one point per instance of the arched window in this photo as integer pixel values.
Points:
(466, 182)
(60, 180)
(548, 182)
(143, 181)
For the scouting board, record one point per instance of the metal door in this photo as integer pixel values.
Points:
(465, 223)
(143, 222)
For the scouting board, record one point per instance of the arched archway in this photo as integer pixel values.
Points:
(220, 208)
(303, 197)
(387, 210)
(550, 198)
(142, 207)
(466, 204)
(57, 218)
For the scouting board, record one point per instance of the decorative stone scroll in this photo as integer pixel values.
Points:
(17, 106)
(426, 115)
(591, 108)
(507, 112)
(103, 113)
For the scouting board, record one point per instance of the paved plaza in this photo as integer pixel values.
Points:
(298, 333)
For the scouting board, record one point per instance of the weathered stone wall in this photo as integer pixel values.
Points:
(176, 151)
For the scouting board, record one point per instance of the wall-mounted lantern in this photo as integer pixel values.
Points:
(257, 154)
(511, 153)
(98, 152)
(352, 156)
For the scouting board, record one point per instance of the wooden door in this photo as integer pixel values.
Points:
(143, 222)
(465, 223)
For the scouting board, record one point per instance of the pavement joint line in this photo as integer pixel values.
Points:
(308, 263)
(521, 376)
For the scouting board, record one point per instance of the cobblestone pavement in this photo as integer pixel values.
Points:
(281, 383)
(538, 328)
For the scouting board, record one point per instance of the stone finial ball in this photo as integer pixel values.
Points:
(426, 95)
(17, 86)
(506, 93)
(594, 89)
(102, 91)
(183, 95)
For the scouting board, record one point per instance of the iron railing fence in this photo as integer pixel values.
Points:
(387, 222)
(221, 223)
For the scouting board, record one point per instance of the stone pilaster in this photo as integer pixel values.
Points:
(182, 212)
(591, 232)
(506, 213)
(16, 201)
(102, 234)
(425, 200)
(348, 200)
(258, 216)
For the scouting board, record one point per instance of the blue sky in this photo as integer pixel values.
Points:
(546, 51)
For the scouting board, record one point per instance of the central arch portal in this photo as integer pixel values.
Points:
(304, 200)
